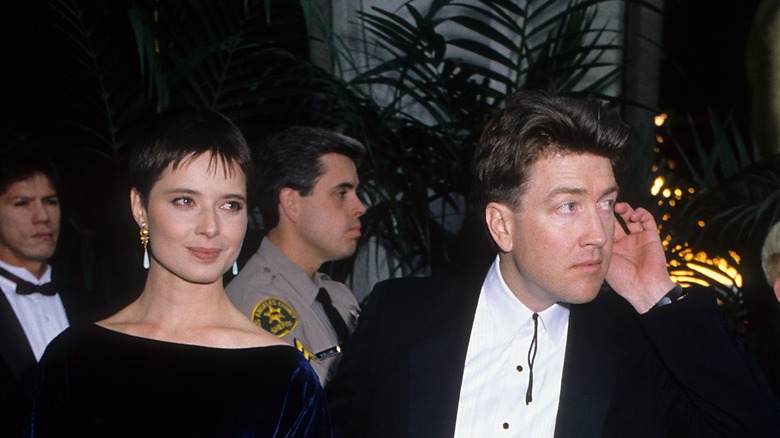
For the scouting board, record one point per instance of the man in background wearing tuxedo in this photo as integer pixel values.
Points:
(770, 263)
(33, 308)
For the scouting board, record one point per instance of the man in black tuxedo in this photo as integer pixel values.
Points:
(536, 346)
(33, 308)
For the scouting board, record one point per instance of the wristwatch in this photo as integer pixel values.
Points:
(677, 293)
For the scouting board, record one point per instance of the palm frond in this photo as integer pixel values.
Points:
(737, 188)
(110, 92)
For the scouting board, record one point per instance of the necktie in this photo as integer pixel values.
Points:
(27, 288)
(531, 359)
(333, 315)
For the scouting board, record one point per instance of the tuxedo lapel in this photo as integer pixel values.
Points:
(78, 307)
(589, 371)
(14, 347)
(75, 309)
(436, 363)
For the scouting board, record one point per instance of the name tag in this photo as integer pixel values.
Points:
(330, 352)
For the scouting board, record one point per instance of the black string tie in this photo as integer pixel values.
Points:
(27, 288)
(531, 359)
(333, 315)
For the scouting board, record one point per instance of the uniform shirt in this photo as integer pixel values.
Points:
(42, 317)
(495, 378)
(279, 297)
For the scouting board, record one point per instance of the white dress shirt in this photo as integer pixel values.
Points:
(42, 317)
(495, 377)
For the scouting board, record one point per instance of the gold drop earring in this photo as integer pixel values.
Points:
(144, 232)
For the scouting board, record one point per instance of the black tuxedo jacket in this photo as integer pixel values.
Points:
(675, 371)
(17, 361)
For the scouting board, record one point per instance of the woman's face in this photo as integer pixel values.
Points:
(197, 219)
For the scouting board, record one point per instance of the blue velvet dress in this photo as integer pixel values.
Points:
(96, 382)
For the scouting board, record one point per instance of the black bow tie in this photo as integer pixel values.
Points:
(26, 288)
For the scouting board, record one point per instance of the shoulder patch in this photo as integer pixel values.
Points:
(275, 316)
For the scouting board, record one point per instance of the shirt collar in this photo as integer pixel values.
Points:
(509, 314)
(292, 273)
(26, 275)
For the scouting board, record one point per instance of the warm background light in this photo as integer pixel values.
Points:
(689, 266)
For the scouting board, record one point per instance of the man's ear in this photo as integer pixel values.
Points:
(776, 287)
(137, 207)
(289, 204)
(500, 221)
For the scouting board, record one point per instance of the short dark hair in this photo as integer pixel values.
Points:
(533, 125)
(22, 157)
(291, 158)
(181, 135)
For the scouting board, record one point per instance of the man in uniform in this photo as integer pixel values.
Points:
(35, 306)
(307, 179)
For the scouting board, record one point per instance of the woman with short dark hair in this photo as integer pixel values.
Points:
(181, 360)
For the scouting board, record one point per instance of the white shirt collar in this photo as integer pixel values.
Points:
(26, 275)
(507, 310)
